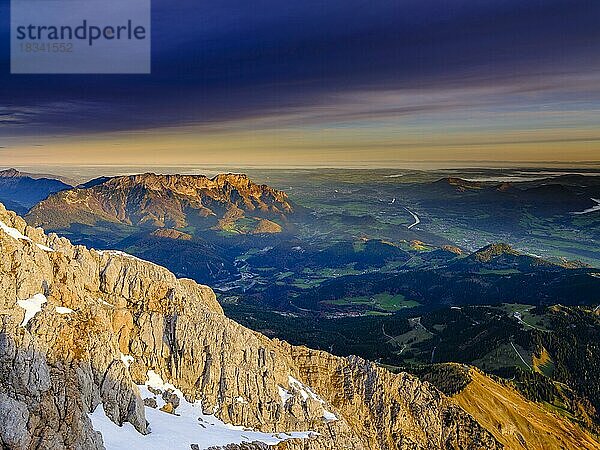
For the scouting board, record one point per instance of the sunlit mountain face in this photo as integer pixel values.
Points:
(315, 224)
(346, 83)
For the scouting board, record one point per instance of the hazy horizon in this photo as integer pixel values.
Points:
(80, 173)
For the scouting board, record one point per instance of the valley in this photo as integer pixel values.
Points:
(413, 270)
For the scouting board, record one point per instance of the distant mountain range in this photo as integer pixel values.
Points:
(20, 191)
(225, 202)
(399, 273)
(168, 219)
(171, 218)
(568, 191)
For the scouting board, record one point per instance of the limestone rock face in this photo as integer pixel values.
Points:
(83, 328)
(172, 201)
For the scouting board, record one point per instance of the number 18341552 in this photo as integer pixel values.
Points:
(41, 47)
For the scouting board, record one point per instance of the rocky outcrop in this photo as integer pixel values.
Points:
(172, 201)
(83, 329)
(452, 249)
(501, 256)
(169, 233)
(265, 226)
(489, 252)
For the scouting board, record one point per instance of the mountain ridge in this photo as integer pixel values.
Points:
(106, 320)
(172, 201)
(23, 190)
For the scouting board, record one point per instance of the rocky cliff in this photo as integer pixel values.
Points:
(173, 201)
(102, 340)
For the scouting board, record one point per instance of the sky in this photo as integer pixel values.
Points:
(326, 83)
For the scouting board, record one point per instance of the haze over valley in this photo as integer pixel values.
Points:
(414, 270)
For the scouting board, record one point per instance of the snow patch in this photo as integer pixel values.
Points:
(16, 234)
(124, 255)
(13, 232)
(32, 306)
(189, 425)
(63, 310)
(328, 416)
(127, 360)
(304, 390)
(285, 395)
(306, 393)
(104, 302)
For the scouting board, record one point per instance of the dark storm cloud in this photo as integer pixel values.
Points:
(221, 60)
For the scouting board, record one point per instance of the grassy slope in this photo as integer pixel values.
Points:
(517, 422)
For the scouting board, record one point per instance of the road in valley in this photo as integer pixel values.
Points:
(417, 220)
(589, 210)
(517, 352)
